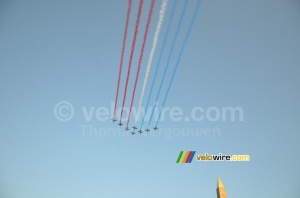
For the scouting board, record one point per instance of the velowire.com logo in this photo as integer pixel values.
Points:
(187, 157)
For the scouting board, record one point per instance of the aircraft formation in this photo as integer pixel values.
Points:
(163, 7)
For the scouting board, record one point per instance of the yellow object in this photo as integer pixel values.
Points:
(221, 192)
(220, 184)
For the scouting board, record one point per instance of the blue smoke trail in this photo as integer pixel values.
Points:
(169, 58)
(160, 56)
(179, 57)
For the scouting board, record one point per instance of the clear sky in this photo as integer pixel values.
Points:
(240, 54)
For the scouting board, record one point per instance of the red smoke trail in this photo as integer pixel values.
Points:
(141, 56)
(137, 23)
(122, 54)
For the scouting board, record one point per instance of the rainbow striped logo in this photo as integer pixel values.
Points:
(185, 157)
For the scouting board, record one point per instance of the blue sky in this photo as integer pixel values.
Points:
(240, 54)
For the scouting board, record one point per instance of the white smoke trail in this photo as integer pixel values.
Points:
(155, 38)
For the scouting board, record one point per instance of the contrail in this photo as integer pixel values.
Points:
(137, 23)
(169, 58)
(154, 43)
(122, 54)
(141, 56)
(159, 58)
(179, 57)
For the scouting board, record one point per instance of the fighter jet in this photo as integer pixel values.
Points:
(140, 131)
(120, 123)
(134, 128)
(147, 130)
(155, 128)
(127, 129)
(113, 120)
(133, 133)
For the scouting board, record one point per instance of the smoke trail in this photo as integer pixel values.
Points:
(122, 53)
(137, 23)
(169, 58)
(141, 56)
(159, 58)
(179, 57)
(154, 43)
